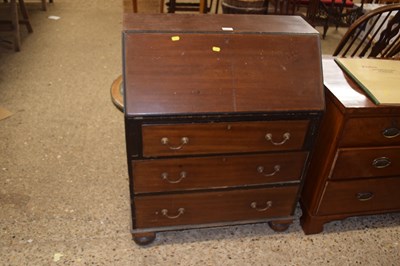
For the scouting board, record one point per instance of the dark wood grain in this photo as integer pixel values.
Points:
(209, 138)
(212, 23)
(216, 172)
(363, 162)
(325, 147)
(214, 206)
(222, 80)
(371, 129)
(341, 197)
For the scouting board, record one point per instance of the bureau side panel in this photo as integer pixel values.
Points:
(323, 155)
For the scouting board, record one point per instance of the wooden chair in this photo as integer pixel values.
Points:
(332, 12)
(375, 34)
(12, 25)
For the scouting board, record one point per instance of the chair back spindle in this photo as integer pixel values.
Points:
(375, 34)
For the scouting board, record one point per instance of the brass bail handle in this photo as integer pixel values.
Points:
(268, 204)
(184, 141)
(182, 175)
(261, 169)
(286, 137)
(165, 213)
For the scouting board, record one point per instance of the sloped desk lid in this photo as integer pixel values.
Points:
(202, 64)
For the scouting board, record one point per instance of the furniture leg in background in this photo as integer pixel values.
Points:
(25, 17)
(134, 6)
(15, 25)
(44, 4)
(12, 24)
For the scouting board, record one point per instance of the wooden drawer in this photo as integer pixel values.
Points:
(375, 131)
(220, 171)
(367, 162)
(224, 137)
(211, 207)
(358, 196)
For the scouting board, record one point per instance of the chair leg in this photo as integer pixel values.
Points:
(25, 16)
(44, 6)
(326, 26)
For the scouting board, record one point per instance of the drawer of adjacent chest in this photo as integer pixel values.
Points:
(222, 137)
(357, 196)
(211, 207)
(367, 162)
(219, 171)
(375, 131)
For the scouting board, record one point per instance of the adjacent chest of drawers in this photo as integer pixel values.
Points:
(219, 123)
(356, 166)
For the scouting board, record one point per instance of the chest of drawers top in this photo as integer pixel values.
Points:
(349, 97)
(202, 64)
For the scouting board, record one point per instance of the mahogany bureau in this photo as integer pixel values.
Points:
(355, 169)
(221, 113)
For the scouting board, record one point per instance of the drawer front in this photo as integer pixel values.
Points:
(224, 137)
(211, 207)
(220, 171)
(361, 196)
(367, 162)
(376, 131)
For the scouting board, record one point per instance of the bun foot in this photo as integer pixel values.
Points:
(143, 239)
(279, 226)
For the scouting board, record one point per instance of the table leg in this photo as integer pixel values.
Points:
(15, 25)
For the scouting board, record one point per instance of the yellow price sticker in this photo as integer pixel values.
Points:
(216, 49)
(175, 38)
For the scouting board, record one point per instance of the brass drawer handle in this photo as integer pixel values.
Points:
(286, 137)
(253, 205)
(184, 140)
(277, 168)
(391, 132)
(364, 196)
(182, 175)
(381, 162)
(165, 213)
